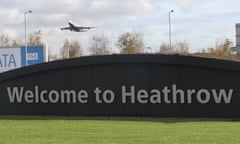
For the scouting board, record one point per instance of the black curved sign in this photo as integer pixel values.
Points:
(124, 85)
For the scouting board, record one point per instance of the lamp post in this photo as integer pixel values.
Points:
(170, 33)
(25, 26)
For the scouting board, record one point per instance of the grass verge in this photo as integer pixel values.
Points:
(80, 131)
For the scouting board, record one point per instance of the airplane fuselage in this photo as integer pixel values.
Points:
(75, 28)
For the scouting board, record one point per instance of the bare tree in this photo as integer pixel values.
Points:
(4, 40)
(65, 49)
(131, 43)
(35, 38)
(222, 47)
(71, 49)
(164, 48)
(16, 43)
(181, 47)
(178, 47)
(52, 57)
(99, 45)
(75, 49)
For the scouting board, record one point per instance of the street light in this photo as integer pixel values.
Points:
(170, 33)
(25, 26)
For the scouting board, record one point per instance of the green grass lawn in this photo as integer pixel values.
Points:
(117, 132)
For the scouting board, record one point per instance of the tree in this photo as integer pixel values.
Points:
(164, 48)
(65, 49)
(71, 49)
(52, 57)
(181, 47)
(4, 40)
(75, 49)
(16, 43)
(35, 39)
(131, 43)
(222, 47)
(178, 47)
(99, 45)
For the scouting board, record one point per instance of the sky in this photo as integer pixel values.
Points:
(199, 22)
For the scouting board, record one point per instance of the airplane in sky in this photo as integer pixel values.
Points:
(76, 28)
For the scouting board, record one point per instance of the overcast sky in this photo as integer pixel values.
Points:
(199, 22)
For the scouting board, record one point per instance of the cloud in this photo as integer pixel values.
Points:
(191, 20)
(190, 3)
(10, 16)
(11, 32)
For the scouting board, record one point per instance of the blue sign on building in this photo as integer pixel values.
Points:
(33, 55)
(17, 57)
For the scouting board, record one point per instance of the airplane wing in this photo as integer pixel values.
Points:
(84, 27)
(65, 28)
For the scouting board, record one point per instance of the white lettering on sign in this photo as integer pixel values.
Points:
(128, 94)
(20, 95)
(32, 56)
(106, 96)
(174, 95)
